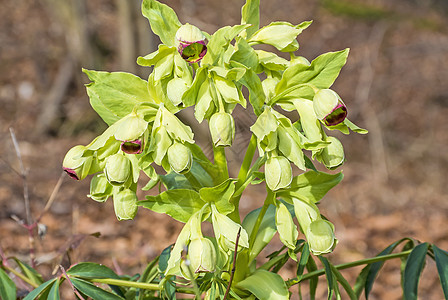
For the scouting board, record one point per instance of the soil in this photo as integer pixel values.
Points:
(394, 84)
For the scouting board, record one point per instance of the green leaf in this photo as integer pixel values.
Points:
(256, 93)
(311, 267)
(93, 291)
(441, 258)
(322, 72)
(39, 290)
(29, 272)
(180, 204)
(54, 291)
(304, 257)
(90, 270)
(311, 185)
(152, 58)
(114, 95)
(286, 228)
(330, 277)
(413, 270)
(244, 54)
(367, 276)
(265, 285)
(338, 276)
(220, 195)
(8, 290)
(220, 40)
(163, 20)
(250, 14)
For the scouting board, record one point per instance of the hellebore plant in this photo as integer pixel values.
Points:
(145, 136)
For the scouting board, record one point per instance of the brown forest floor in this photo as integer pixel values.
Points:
(394, 84)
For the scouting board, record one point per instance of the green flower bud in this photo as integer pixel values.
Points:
(306, 213)
(175, 88)
(130, 132)
(320, 236)
(222, 129)
(180, 158)
(329, 107)
(278, 172)
(332, 156)
(75, 165)
(100, 188)
(125, 204)
(190, 42)
(202, 255)
(117, 169)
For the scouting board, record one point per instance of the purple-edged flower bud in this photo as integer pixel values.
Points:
(117, 169)
(130, 133)
(75, 165)
(278, 172)
(222, 129)
(329, 107)
(190, 42)
(180, 158)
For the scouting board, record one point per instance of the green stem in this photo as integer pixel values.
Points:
(221, 161)
(269, 199)
(21, 276)
(366, 261)
(139, 285)
(242, 175)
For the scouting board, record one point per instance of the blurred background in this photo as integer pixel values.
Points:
(395, 84)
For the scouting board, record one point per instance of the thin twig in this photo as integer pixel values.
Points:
(71, 284)
(23, 174)
(52, 196)
(234, 264)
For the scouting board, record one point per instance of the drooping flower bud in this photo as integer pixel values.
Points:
(125, 204)
(202, 255)
(117, 169)
(190, 42)
(320, 236)
(130, 132)
(329, 107)
(222, 129)
(332, 156)
(75, 165)
(180, 158)
(100, 188)
(278, 172)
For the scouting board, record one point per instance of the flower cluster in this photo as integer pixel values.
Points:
(194, 68)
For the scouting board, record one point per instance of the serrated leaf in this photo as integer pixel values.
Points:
(322, 72)
(8, 288)
(413, 270)
(90, 270)
(220, 195)
(311, 185)
(265, 285)
(114, 95)
(441, 258)
(250, 14)
(93, 291)
(163, 20)
(180, 204)
(39, 290)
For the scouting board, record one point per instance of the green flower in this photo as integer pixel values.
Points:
(190, 42)
(278, 172)
(180, 158)
(100, 188)
(329, 107)
(118, 169)
(222, 129)
(320, 236)
(76, 165)
(130, 132)
(125, 204)
(202, 255)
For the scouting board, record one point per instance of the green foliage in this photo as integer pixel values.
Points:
(145, 134)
